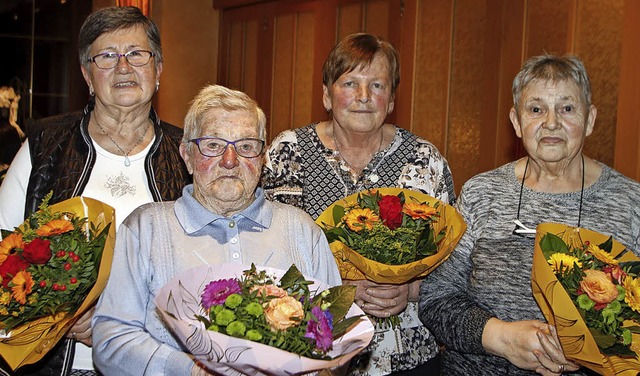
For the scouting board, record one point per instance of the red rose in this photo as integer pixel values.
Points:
(391, 211)
(12, 265)
(38, 251)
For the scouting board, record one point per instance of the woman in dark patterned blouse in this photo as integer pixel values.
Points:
(314, 166)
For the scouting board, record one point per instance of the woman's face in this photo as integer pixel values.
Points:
(122, 86)
(552, 119)
(361, 99)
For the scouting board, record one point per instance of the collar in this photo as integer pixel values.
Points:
(194, 217)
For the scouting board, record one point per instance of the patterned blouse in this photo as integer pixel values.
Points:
(301, 171)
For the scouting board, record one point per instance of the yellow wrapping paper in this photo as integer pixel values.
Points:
(559, 310)
(354, 266)
(29, 342)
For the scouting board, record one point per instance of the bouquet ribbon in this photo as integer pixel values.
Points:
(28, 343)
(354, 266)
(559, 310)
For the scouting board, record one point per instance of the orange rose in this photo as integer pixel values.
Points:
(269, 290)
(283, 313)
(599, 287)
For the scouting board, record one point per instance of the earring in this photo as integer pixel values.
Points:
(157, 86)
(91, 92)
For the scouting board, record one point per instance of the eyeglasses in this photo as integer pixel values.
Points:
(215, 147)
(135, 58)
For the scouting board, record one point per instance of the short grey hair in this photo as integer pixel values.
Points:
(106, 20)
(552, 68)
(219, 97)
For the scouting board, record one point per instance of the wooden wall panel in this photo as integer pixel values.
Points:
(376, 18)
(599, 43)
(303, 77)
(235, 67)
(432, 72)
(251, 58)
(458, 60)
(547, 25)
(283, 53)
(350, 19)
(627, 147)
(463, 149)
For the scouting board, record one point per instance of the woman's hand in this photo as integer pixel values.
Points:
(552, 359)
(380, 300)
(81, 330)
(531, 345)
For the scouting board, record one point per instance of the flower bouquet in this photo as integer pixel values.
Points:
(390, 235)
(588, 286)
(240, 320)
(53, 268)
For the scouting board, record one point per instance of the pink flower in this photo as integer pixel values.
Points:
(272, 291)
(615, 272)
(216, 292)
(322, 330)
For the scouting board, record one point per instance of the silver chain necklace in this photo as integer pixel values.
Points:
(127, 162)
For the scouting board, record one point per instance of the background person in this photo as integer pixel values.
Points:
(314, 166)
(479, 302)
(117, 150)
(221, 217)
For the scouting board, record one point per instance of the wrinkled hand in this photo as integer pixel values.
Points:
(531, 345)
(380, 300)
(552, 359)
(81, 330)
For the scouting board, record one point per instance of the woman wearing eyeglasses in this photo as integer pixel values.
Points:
(479, 302)
(117, 150)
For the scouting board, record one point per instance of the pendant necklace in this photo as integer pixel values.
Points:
(522, 229)
(127, 162)
(373, 176)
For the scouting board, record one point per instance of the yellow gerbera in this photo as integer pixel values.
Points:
(632, 292)
(22, 285)
(55, 227)
(358, 219)
(417, 211)
(602, 255)
(5, 298)
(572, 238)
(561, 262)
(9, 244)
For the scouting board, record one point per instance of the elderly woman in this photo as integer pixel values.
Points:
(314, 166)
(221, 217)
(117, 150)
(479, 302)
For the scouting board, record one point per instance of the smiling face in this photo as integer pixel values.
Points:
(123, 86)
(361, 99)
(553, 120)
(225, 184)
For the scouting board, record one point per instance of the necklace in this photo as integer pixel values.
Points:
(522, 229)
(373, 177)
(127, 162)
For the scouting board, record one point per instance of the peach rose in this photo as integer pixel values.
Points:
(599, 287)
(269, 290)
(281, 313)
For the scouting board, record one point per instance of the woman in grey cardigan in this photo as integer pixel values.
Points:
(479, 303)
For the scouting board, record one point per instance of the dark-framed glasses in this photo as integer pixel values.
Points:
(215, 147)
(135, 58)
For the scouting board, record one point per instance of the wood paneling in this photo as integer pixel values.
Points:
(458, 60)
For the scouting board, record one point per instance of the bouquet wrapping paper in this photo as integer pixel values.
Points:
(354, 266)
(559, 310)
(179, 302)
(28, 343)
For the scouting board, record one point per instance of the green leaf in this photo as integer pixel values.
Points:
(341, 327)
(603, 340)
(338, 213)
(341, 298)
(551, 243)
(607, 245)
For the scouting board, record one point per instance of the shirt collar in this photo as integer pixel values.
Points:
(194, 217)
